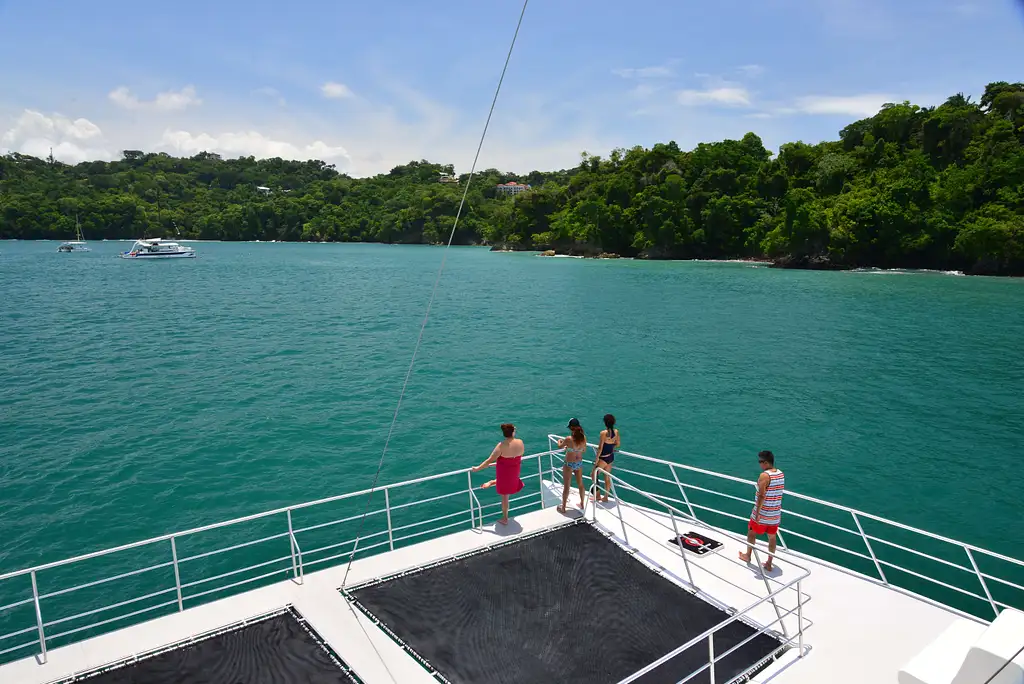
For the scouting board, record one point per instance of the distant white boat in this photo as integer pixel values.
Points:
(76, 245)
(157, 248)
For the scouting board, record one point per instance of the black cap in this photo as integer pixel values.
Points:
(573, 422)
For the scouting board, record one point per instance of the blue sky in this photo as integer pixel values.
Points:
(369, 85)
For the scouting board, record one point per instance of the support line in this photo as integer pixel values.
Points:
(433, 292)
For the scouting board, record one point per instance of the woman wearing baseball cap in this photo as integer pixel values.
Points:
(575, 445)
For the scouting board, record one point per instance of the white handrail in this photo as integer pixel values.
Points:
(675, 470)
(857, 516)
(704, 635)
(235, 521)
(828, 504)
(771, 595)
(296, 555)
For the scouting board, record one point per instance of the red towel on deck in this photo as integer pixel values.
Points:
(508, 475)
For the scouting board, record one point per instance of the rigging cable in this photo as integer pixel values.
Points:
(433, 293)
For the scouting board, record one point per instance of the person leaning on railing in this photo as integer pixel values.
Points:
(610, 441)
(575, 445)
(507, 458)
(767, 513)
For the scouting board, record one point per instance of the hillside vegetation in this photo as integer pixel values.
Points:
(919, 187)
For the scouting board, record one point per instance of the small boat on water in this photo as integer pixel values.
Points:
(158, 248)
(76, 245)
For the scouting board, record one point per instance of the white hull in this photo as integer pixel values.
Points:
(158, 248)
(151, 257)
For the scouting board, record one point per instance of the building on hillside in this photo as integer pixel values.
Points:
(448, 178)
(261, 188)
(512, 188)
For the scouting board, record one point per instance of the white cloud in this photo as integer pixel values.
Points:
(336, 91)
(34, 124)
(398, 124)
(751, 70)
(272, 93)
(660, 71)
(72, 140)
(643, 90)
(724, 95)
(863, 105)
(246, 143)
(167, 101)
(759, 115)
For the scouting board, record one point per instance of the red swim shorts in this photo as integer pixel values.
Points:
(758, 528)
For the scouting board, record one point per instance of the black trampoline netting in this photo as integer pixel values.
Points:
(567, 606)
(279, 649)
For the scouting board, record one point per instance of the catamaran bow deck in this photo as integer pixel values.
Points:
(807, 622)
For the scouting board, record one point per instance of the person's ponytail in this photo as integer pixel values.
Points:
(578, 437)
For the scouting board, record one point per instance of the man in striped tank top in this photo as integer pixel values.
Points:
(767, 513)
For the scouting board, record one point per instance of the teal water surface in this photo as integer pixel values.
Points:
(141, 398)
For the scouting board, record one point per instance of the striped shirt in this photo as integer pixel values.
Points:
(771, 509)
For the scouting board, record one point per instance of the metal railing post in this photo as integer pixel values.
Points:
(984, 585)
(768, 588)
(711, 655)
(177, 573)
(291, 544)
(39, 618)
(387, 511)
(800, 617)
(781, 540)
(867, 543)
(472, 516)
(551, 461)
(540, 481)
(479, 507)
(682, 491)
(682, 552)
(618, 508)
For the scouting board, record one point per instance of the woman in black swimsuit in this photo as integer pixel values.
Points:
(610, 441)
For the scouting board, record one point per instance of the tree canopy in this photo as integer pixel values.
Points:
(918, 187)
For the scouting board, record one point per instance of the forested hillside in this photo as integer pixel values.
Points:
(922, 187)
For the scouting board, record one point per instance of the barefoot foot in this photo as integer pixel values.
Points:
(503, 521)
(768, 567)
(488, 484)
(745, 557)
(560, 509)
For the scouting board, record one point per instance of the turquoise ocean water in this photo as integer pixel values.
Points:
(141, 398)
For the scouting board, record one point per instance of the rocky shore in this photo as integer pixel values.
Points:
(805, 262)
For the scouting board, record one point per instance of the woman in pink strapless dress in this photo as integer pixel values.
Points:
(507, 458)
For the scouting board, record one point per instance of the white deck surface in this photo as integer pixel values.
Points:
(862, 633)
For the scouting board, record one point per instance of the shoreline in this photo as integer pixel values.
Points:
(781, 263)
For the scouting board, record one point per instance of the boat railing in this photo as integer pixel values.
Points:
(886, 552)
(65, 601)
(775, 591)
(68, 600)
